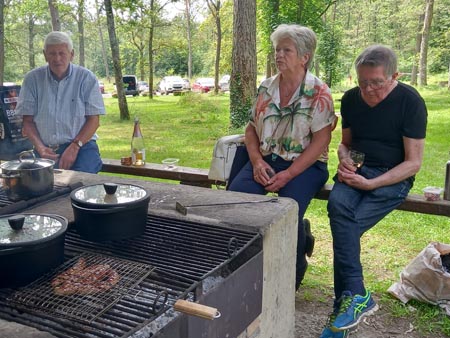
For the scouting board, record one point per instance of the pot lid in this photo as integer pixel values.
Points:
(35, 164)
(29, 229)
(109, 194)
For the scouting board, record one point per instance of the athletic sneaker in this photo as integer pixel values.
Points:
(352, 310)
(327, 333)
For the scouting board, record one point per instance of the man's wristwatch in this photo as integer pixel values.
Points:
(79, 143)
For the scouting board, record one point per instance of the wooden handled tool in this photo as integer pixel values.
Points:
(196, 309)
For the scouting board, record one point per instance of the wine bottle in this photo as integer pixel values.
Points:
(447, 181)
(137, 145)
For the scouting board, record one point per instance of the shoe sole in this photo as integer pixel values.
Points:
(352, 325)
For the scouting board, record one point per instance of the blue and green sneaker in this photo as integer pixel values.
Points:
(352, 309)
(328, 333)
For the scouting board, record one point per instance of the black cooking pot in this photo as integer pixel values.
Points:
(30, 245)
(109, 211)
(27, 177)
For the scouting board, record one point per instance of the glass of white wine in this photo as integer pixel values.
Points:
(357, 158)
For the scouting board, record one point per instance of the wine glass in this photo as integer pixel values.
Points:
(357, 158)
(171, 163)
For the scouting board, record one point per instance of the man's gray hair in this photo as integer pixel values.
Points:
(378, 55)
(304, 39)
(58, 38)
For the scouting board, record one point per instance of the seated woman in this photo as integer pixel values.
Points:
(289, 131)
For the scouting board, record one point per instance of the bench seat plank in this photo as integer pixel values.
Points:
(199, 177)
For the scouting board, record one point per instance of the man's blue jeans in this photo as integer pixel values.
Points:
(352, 212)
(88, 159)
(301, 188)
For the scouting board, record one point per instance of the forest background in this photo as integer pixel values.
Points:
(195, 37)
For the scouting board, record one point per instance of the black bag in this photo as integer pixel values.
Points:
(12, 142)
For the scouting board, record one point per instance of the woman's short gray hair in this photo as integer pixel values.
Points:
(58, 38)
(303, 37)
(378, 55)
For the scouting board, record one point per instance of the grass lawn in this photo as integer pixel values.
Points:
(186, 127)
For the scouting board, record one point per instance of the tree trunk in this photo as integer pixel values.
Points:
(80, 15)
(53, 7)
(2, 42)
(417, 51)
(100, 33)
(123, 107)
(31, 34)
(448, 81)
(214, 8)
(243, 73)
(189, 39)
(150, 49)
(424, 45)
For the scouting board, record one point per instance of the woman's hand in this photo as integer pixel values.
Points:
(278, 181)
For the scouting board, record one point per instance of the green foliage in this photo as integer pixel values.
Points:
(328, 52)
(239, 107)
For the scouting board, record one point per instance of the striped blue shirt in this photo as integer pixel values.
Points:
(60, 107)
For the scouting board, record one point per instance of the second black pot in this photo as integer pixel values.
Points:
(102, 214)
(30, 245)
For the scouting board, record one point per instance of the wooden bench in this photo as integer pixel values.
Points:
(199, 177)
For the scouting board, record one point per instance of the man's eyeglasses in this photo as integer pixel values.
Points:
(375, 84)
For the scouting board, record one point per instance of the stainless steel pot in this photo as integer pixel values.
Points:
(30, 245)
(27, 177)
(109, 211)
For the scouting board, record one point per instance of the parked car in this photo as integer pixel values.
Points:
(171, 84)
(102, 87)
(203, 85)
(130, 85)
(142, 86)
(224, 83)
(187, 84)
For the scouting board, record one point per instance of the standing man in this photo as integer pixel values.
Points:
(386, 120)
(61, 103)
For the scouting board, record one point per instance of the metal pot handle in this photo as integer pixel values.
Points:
(100, 211)
(25, 152)
(9, 176)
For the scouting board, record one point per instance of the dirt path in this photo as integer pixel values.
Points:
(310, 317)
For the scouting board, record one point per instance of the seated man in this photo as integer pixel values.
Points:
(60, 104)
(386, 120)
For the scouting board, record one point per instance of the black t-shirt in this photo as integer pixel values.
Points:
(378, 131)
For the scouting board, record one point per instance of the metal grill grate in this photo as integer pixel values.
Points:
(86, 302)
(183, 254)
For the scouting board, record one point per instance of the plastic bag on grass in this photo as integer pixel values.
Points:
(425, 278)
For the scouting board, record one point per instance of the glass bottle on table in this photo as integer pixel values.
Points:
(137, 145)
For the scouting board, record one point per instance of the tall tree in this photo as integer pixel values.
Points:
(424, 43)
(214, 8)
(2, 41)
(102, 41)
(243, 72)
(123, 106)
(80, 22)
(417, 51)
(189, 36)
(53, 7)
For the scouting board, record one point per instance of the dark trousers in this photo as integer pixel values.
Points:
(301, 188)
(352, 212)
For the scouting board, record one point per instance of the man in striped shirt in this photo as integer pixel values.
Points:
(61, 104)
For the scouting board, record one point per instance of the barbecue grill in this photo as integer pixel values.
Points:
(237, 259)
(180, 256)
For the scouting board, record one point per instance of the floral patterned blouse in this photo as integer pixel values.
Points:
(287, 131)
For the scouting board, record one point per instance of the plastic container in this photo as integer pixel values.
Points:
(432, 193)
